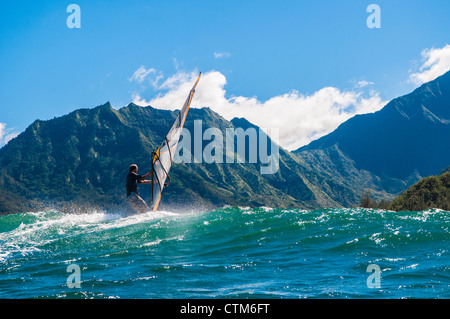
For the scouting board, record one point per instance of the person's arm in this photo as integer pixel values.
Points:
(144, 180)
(144, 177)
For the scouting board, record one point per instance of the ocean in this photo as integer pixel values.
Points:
(233, 252)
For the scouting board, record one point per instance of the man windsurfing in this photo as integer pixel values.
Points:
(133, 178)
(161, 162)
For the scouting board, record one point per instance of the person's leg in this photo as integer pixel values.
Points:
(138, 203)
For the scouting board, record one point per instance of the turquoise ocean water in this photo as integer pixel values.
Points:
(227, 253)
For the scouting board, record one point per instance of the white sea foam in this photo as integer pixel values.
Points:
(47, 227)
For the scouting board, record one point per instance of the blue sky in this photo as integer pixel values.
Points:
(257, 55)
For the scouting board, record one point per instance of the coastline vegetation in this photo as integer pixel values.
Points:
(429, 192)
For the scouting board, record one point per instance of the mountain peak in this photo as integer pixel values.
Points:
(106, 105)
(132, 104)
(408, 135)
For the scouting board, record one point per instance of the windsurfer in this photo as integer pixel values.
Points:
(133, 178)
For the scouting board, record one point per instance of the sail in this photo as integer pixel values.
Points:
(163, 157)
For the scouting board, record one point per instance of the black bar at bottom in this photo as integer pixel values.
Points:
(231, 308)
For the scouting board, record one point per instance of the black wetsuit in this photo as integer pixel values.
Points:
(132, 180)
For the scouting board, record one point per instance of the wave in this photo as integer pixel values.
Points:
(280, 252)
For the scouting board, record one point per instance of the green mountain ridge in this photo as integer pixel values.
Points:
(81, 159)
(391, 149)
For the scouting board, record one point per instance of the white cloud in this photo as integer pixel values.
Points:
(2, 130)
(300, 118)
(435, 63)
(219, 55)
(142, 73)
(6, 134)
(363, 83)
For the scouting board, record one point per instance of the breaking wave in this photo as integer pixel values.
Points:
(233, 252)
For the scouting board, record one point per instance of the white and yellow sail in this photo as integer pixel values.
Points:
(163, 157)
